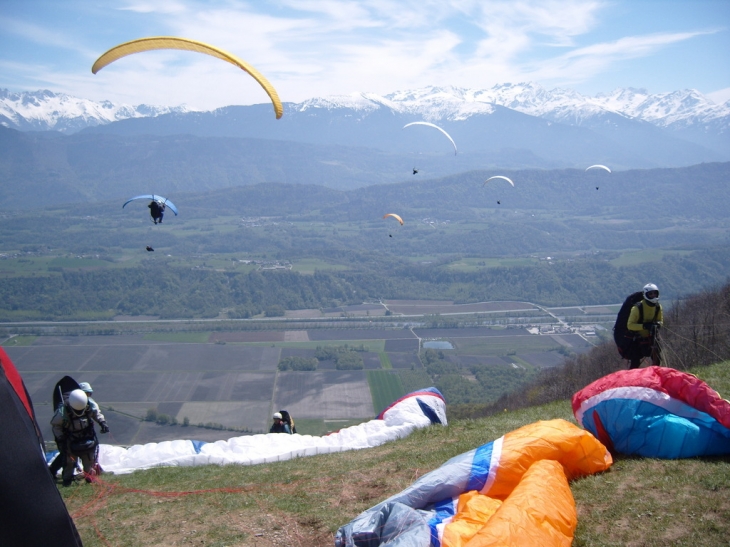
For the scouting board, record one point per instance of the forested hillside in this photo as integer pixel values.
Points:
(169, 291)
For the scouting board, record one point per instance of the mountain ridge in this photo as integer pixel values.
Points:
(45, 109)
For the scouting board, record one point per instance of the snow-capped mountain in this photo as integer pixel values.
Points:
(47, 111)
(651, 129)
(686, 114)
(453, 103)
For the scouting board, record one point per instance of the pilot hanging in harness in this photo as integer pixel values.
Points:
(637, 327)
(73, 427)
(157, 211)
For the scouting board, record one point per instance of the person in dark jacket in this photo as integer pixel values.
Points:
(157, 211)
(279, 425)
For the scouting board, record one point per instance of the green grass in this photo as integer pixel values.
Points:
(179, 337)
(475, 264)
(375, 346)
(19, 340)
(385, 361)
(638, 501)
(385, 387)
(309, 265)
(413, 380)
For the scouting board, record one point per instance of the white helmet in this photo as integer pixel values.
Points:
(651, 293)
(86, 388)
(277, 415)
(78, 400)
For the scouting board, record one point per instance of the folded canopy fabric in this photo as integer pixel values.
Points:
(512, 491)
(655, 412)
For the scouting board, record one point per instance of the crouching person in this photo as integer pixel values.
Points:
(73, 427)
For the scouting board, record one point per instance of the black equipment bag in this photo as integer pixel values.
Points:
(621, 334)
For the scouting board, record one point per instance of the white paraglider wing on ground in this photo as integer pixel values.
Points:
(414, 411)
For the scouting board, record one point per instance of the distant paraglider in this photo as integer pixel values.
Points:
(499, 202)
(149, 249)
(415, 170)
(157, 206)
(171, 42)
(435, 127)
(597, 166)
(398, 218)
(499, 177)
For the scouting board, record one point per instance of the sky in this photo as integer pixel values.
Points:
(319, 48)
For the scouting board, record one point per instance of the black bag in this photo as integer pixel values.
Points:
(80, 446)
(286, 418)
(621, 334)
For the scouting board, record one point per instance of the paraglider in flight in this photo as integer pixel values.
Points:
(598, 167)
(436, 127)
(399, 219)
(415, 170)
(171, 42)
(498, 177)
(150, 249)
(157, 206)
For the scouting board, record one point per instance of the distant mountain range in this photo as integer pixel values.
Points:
(84, 150)
(47, 111)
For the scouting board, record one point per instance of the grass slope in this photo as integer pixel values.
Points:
(638, 502)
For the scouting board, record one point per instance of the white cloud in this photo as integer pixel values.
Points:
(583, 63)
(312, 48)
(155, 6)
(42, 35)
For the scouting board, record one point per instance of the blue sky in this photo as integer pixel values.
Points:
(310, 48)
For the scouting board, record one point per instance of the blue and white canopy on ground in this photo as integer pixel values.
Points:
(655, 412)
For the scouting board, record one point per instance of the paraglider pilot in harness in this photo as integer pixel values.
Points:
(73, 428)
(279, 425)
(637, 327)
(157, 211)
(60, 459)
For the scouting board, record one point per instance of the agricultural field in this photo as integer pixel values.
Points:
(227, 383)
(424, 307)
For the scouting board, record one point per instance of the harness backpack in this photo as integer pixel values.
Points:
(286, 418)
(621, 334)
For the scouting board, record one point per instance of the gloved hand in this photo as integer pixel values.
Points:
(104, 428)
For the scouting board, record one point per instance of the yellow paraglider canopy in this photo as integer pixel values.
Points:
(399, 219)
(172, 42)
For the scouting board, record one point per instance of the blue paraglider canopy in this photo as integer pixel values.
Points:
(159, 199)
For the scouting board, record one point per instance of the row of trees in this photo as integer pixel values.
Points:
(476, 384)
(345, 358)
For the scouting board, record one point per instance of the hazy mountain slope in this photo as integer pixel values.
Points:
(614, 139)
(54, 168)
